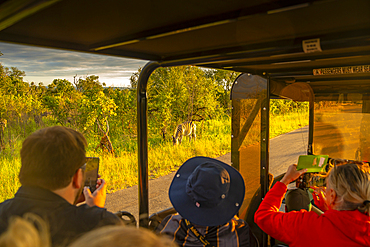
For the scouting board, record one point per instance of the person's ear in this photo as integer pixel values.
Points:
(78, 179)
(331, 198)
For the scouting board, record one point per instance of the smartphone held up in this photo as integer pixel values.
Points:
(316, 171)
(91, 172)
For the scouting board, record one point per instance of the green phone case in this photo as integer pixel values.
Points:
(313, 163)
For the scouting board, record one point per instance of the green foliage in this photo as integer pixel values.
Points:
(224, 80)
(89, 86)
(9, 170)
(97, 107)
(175, 95)
(124, 121)
(61, 87)
(185, 93)
(11, 81)
(121, 171)
(280, 106)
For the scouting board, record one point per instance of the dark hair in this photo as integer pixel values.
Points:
(51, 156)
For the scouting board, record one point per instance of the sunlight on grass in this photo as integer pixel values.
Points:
(9, 177)
(213, 140)
(285, 123)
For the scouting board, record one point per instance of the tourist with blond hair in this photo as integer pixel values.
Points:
(345, 223)
(27, 231)
(122, 236)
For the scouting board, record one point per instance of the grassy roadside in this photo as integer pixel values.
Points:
(213, 140)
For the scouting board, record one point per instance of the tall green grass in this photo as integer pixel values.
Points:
(280, 124)
(9, 170)
(163, 158)
(213, 140)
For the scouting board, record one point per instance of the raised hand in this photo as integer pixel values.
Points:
(292, 174)
(98, 197)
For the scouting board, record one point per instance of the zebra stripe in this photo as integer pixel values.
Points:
(185, 129)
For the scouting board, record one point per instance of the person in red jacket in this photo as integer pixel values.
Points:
(345, 223)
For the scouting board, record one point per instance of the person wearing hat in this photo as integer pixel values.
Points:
(207, 194)
(297, 199)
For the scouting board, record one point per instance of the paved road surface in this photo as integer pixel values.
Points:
(284, 150)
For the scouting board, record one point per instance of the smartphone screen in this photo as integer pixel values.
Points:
(91, 172)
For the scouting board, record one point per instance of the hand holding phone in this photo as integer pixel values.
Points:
(91, 172)
(98, 197)
(315, 165)
(292, 174)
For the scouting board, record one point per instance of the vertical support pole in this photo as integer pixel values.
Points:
(142, 141)
(362, 152)
(265, 135)
(235, 130)
(310, 127)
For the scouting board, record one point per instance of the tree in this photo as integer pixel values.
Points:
(88, 86)
(178, 94)
(224, 79)
(62, 100)
(97, 107)
(11, 81)
(61, 87)
(125, 118)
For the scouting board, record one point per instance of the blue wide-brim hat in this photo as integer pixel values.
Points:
(207, 192)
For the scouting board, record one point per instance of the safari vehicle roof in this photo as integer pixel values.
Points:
(325, 43)
(264, 37)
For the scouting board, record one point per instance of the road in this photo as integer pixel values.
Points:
(284, 150)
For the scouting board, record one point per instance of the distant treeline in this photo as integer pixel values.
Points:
(175, 94)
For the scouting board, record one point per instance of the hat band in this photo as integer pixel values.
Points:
(206, 204)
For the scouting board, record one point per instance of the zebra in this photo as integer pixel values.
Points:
(184, 129)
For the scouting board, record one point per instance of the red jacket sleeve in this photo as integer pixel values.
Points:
(280, 225)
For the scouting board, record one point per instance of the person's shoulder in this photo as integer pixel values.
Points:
(85, 209)
(5, 212)
(7, 208)
(5, 204)
(97, 213)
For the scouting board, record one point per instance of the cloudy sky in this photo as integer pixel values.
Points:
(45, 65)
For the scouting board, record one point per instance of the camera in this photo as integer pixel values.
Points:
(308, 180)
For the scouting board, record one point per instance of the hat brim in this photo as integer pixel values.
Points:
(204, 216)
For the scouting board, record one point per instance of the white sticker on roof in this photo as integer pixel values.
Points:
(311, 45)
(342, 70)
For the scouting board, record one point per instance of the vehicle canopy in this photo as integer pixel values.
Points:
(305, 50)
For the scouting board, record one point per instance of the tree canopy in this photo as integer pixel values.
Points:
(175, 95)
